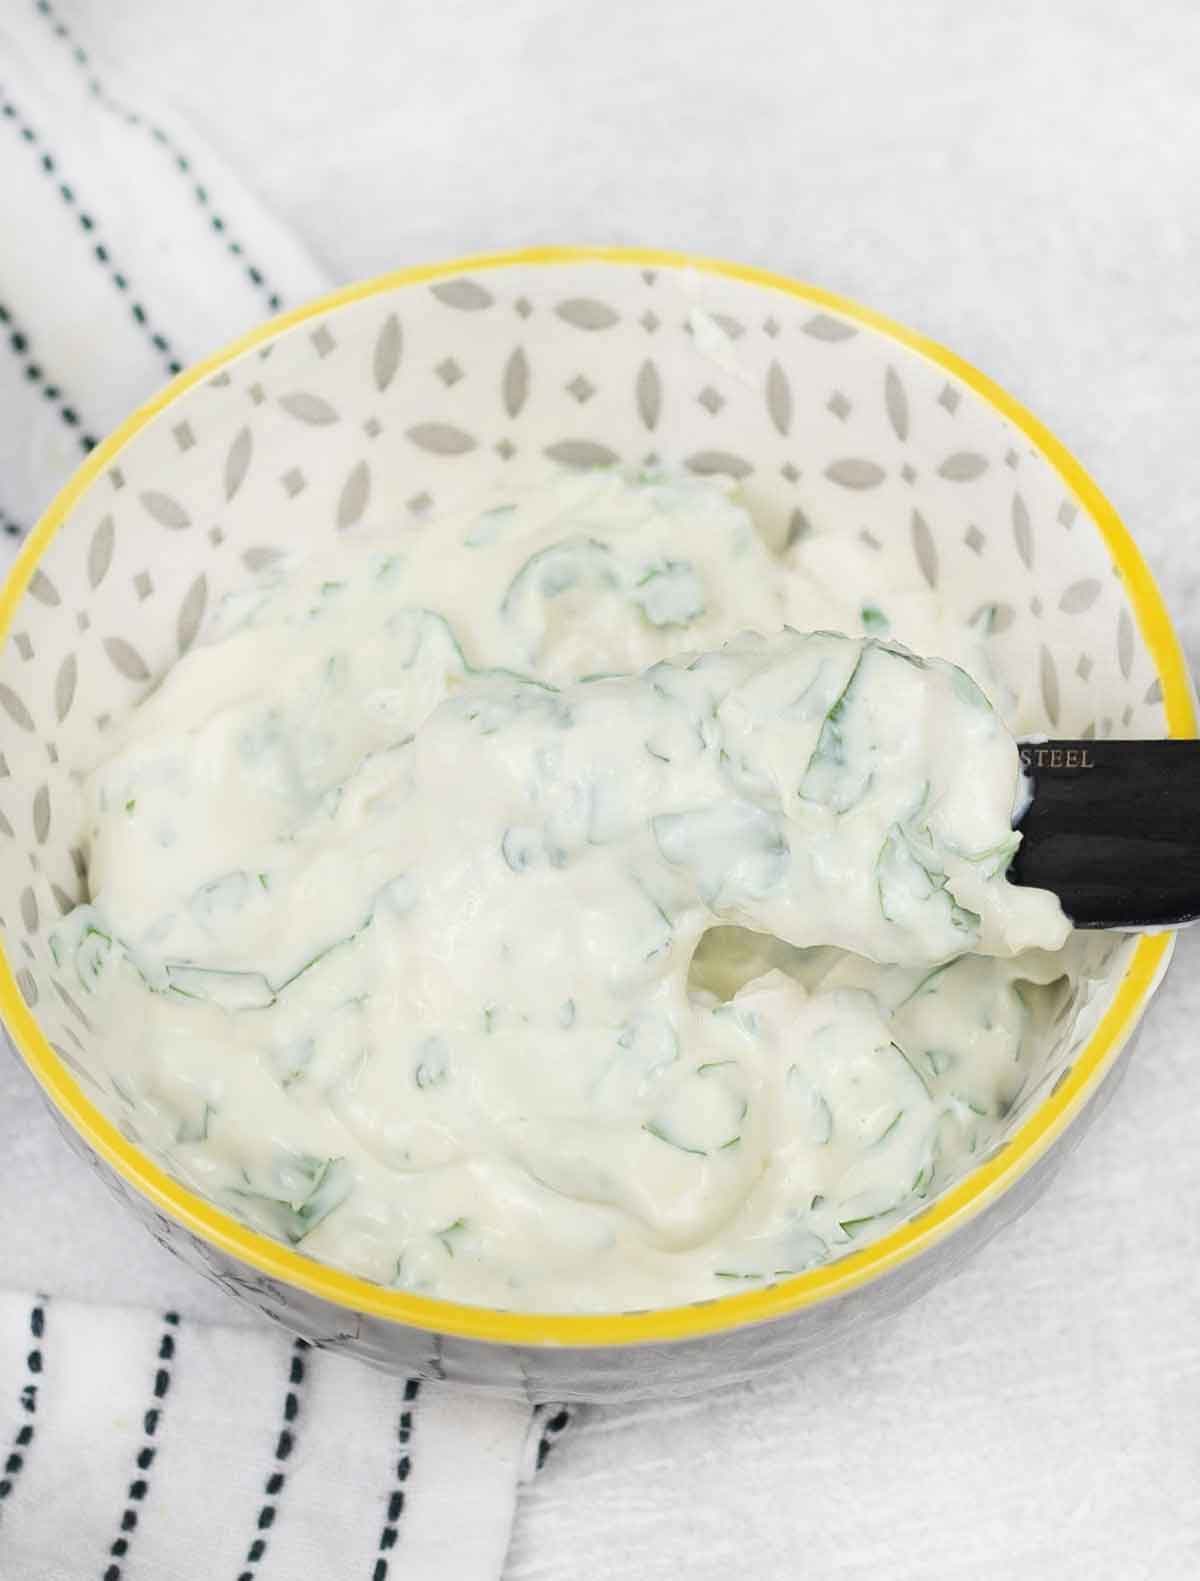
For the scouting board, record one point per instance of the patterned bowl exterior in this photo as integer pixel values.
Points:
(403, 396)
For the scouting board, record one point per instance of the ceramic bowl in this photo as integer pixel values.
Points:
(398, 397)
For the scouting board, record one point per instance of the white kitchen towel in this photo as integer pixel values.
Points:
(127, 251)
(132, 1443)
(137, 1446)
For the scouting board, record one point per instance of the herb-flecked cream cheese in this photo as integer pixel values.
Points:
(548, 908)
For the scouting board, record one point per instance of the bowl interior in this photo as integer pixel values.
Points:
(418, 393)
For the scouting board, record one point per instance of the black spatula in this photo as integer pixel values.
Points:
(1113, 829)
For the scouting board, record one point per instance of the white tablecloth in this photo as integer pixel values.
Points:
(1021, 182)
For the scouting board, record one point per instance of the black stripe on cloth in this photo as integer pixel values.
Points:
(555, 1421)
(23, 1438)
(49, 167)
(181, 161)
(40, 382)
(140, 1486)
(284, 1444)
(390, 1534)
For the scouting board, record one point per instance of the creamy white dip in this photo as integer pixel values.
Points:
(486, 912)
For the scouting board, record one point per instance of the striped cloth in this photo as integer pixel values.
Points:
(137, 1444)
(127, 251)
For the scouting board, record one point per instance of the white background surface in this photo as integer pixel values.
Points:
(1021, 182)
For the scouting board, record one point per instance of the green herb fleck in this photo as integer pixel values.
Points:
(486, 530)
(967, 690)
(888, 1128)
(520, 849)
(911, 1066)
(660, 1135)
(92, 956)
(433, 1064)
(926, 983)
(897, 650)
(939, 1061)
(972, 1104)
(999, 855)
(327, 1182)
(852, 1226)
(445, 1235)
(827, 779)
(230, 990)
(196, 1130)
(558, 568)
(670, 594)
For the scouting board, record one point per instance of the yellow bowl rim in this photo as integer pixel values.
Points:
(949, 1211)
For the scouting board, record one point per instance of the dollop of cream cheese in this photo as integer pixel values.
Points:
(488, 912)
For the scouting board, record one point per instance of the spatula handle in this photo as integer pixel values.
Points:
(1113, 829)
